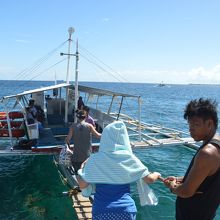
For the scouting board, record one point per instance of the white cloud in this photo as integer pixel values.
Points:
(199, 75)
(202, 75)
(22, 41)
(196, 75)
(105, 19)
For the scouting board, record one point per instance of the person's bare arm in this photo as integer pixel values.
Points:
(152, 177)
(69, 136)
(94, 132)
(203, 166)
(82, 184)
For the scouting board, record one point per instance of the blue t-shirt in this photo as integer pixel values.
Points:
(113, 198)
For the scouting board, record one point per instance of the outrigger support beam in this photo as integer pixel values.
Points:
(97, 101)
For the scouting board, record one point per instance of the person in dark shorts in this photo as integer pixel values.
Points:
(80, 132)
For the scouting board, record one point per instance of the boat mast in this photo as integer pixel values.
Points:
(70, 30)
(76, 79)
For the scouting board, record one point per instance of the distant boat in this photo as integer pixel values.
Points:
(161, 84)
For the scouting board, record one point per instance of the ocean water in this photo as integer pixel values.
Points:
(32, 189)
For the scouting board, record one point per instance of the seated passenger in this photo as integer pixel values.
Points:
(30, 116)
(36, 111)
(31, 119)
(40, 113)
(32, 108)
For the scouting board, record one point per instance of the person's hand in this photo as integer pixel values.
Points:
(156, 176)
(170, 181)
(152, 177)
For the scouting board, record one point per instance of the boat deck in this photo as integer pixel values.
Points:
(51, 140)
(46, 137)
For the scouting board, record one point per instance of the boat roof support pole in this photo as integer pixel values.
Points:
(97, 102)
(120, 108)
(60, 110)
(21, 101)
(87, 99)
(110, 107)
(24, 100)
(139, 117)
(9, 125)
(66, 105)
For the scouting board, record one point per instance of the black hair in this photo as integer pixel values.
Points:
(31, 102)
(81, 114)
(203, 108)
(86, 108)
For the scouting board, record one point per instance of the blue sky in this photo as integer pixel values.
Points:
(146, 41)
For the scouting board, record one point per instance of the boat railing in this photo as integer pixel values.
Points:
(154, 135)
(101, 118)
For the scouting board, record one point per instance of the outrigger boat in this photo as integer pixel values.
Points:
(105, 107)
(50, 139)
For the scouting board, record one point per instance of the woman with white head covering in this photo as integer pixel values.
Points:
(111, 171)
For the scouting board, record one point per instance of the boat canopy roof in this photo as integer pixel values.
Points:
(85, 89)
(103, 92)
(61, 85)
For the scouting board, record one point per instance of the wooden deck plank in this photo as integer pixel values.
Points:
(82, 206)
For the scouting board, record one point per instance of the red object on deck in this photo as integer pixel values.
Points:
(16, 129)
(12, 115)
(16, 132)
(15, 124)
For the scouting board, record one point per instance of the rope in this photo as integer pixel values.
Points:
(38, 63)
(34, 77)
(34, 67)
(100, 61)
